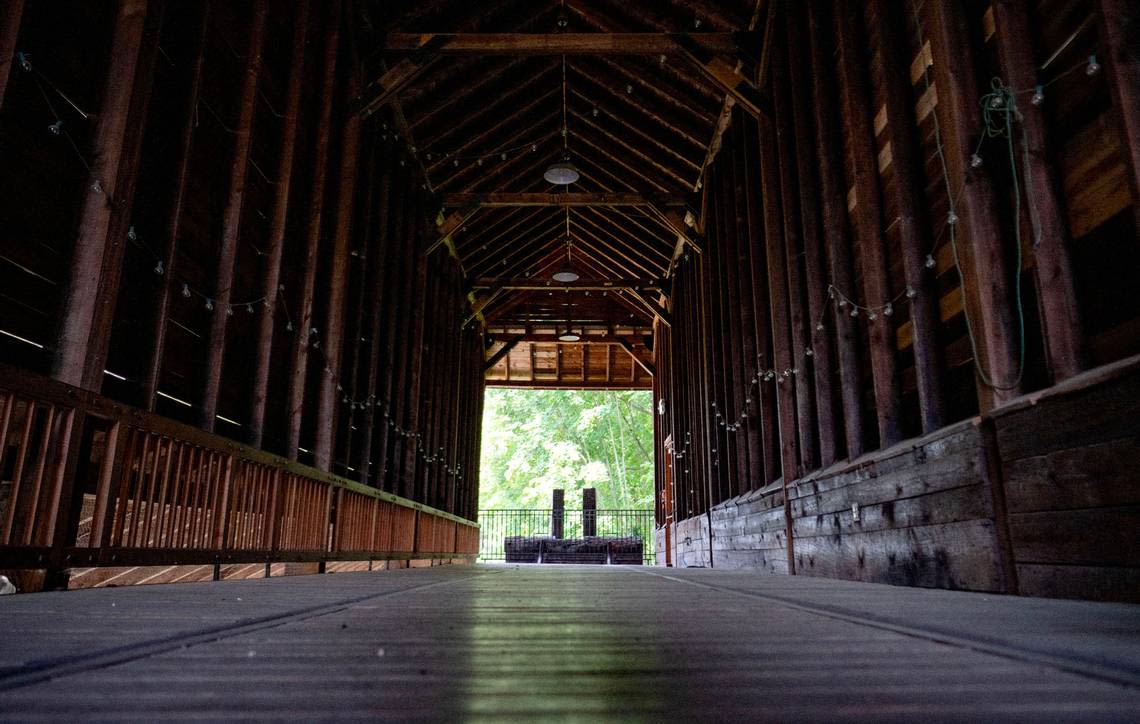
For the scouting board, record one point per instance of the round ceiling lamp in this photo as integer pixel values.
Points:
(569, 336)
(561, 173)
(565, 275)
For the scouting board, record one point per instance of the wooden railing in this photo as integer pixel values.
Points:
(86, 481)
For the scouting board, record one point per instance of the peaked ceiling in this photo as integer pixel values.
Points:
(525, 84)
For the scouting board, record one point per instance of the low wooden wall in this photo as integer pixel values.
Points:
(1040, 497)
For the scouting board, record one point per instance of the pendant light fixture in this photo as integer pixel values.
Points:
(569, 335)
(563, 173)
(566, 273)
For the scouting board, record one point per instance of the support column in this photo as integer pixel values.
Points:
(231, 224)
(818, 352)
(333, 332)
(797, 313)
(868, 220)
(1119, 19)
(174, 231)
(914, 237)
(9, 32)
(781, 322)
(85, 292)
(267, 317)
(303, 337)
(1056, 294)
(979, 235)
(833, 217)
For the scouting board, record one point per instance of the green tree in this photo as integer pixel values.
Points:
(535, 441)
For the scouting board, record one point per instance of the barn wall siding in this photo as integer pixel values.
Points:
(930, 511)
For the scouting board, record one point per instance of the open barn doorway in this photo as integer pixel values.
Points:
(567, 476)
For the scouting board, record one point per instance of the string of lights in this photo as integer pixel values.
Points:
(189, 291)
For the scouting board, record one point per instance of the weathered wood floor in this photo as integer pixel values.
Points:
(564, 642)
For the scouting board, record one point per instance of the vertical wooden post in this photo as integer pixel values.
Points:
(1056, 295)
(73, 347)
(833, 208)
(860, 140)
(1119, 20)
(123, 200)
(9, 33)
(415, 342)
(758, 266)
(286, 153)
(797, 313)
(379, 287)
(231, 224)
(979, 235)
(338, 287)
(303, 338)
(914, 239)
(737, 182)
(174, 229)
(819, 344)
(781, 323)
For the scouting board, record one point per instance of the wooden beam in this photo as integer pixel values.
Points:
(1119, 20)
(833, 219)
(450, 224)
(1057, 298)
(817, 353)
(275, 247)
(9, 32)
(174, 228)
(295, 400)
(981, 239)
(726, 76)
(231, 223)
(561, 43)
(338, 282)
(540, 384)
(914, 240)
(859, 136)
(506, 199)
(78, 308)
(647, 366)
(502, 352)
(653, 306)
(383, 90)
(535, 284)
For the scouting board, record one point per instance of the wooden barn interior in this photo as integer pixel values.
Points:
(878, 262)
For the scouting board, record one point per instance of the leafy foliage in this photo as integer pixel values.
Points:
(535, 441)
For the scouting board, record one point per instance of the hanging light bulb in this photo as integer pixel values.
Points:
(561, 173)
(159, 268)
(888, 310)
(209, 305)
(1093, 67)
(951, 218)
(911, 292)
(1038, 95)
(929, 263)
(975, 161)
(186, 291)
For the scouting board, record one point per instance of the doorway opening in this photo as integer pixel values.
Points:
(567, 476)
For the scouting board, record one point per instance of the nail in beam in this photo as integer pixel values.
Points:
(302, 338)
(266, 318)
(77, 314)
(170, 251)
(231, 225)
(868, 218)
(833, 209)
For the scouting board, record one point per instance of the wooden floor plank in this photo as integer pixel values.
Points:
(594, 643)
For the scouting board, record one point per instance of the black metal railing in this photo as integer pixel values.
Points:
(631, 526)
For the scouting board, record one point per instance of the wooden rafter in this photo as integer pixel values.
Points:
(560, 43)
(506, 199)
